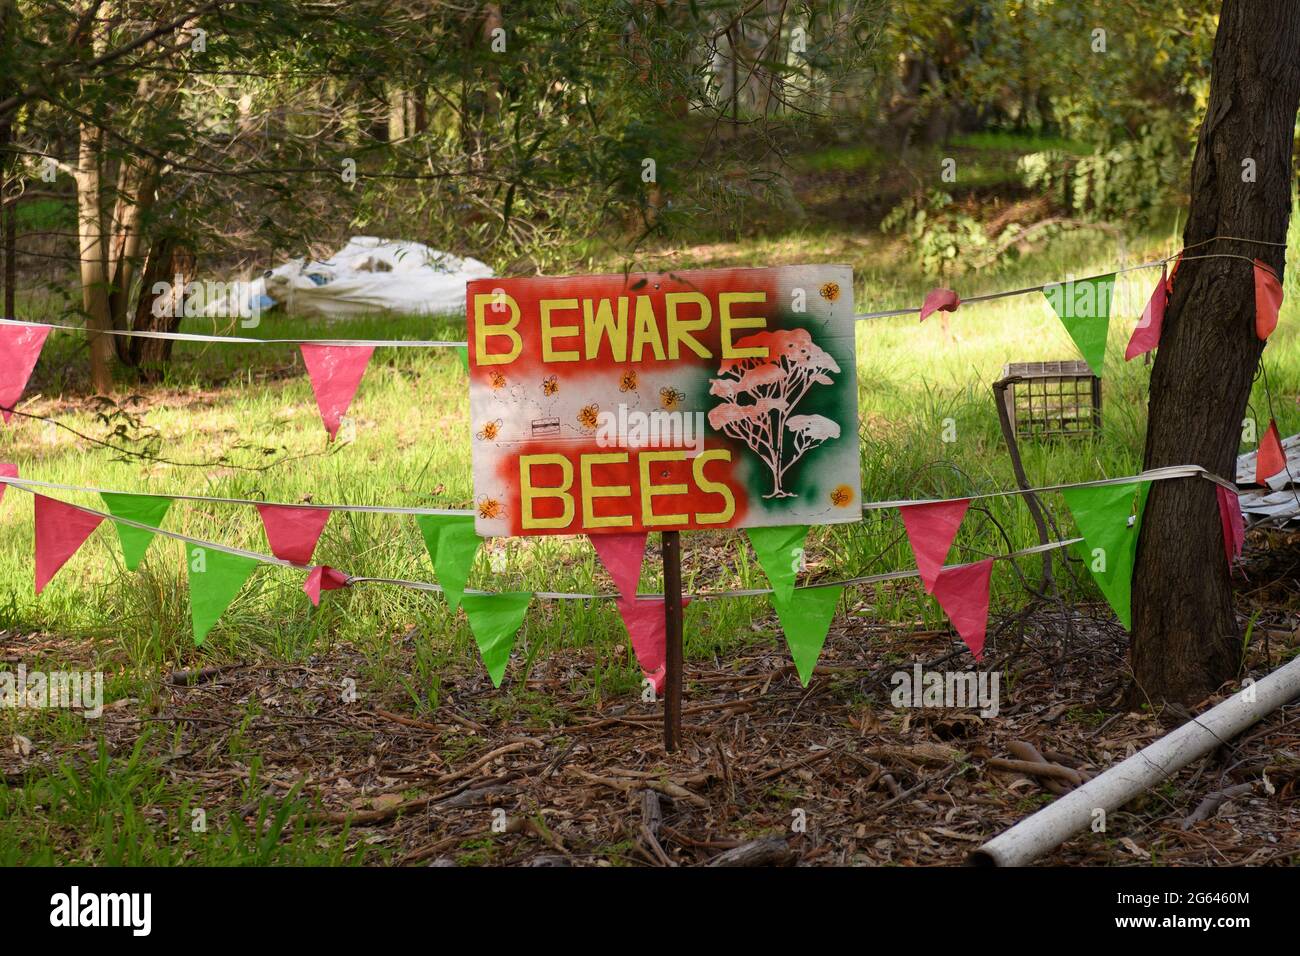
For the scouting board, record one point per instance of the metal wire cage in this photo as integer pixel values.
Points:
(1044, 400)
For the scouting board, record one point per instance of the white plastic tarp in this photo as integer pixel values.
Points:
(1279, 503)
(368, 275)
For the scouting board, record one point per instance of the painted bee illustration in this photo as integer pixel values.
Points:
(670, 398)
(841, 496)
(588, 415)
(550, 385)
(490, 431)
(628, 381)
(489, 509)
(830, 291)
(497, 379)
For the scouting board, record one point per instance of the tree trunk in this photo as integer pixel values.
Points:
(1185, 634)
(94, 259)
(172, 262)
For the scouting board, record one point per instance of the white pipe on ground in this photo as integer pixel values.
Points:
(1053, 825)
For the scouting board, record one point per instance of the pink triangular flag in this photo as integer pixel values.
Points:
(61, 529)
(931, 528)
(335, 372)
(646, 626)
(1270, 458)
(963, 593)
(293, 532)
(20, 347)
(622, 555)
(1268, 300)
(939, 300)
(6, 471)
(1234, 525)
(323, 578)
(1146, 336)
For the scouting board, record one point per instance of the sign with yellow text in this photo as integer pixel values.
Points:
(655, 402)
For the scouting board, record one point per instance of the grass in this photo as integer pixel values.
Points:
(411, 446)
(240, 421)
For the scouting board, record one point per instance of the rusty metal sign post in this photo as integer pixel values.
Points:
(674, 637)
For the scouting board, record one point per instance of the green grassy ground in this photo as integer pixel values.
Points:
(240, 421)
(251, 410)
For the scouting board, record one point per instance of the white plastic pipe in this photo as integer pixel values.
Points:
(1054, 824)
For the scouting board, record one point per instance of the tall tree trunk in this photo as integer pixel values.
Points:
(136, 189)
(1185, 634)
(94, 258)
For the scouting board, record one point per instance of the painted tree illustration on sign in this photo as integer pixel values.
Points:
(759, 396)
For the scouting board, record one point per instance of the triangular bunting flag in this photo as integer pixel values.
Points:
(647, 626)
(462, 353)
(452, 544)
(1146, 336)
(1268, 300)
(780, 552)
(7, 471)
(1270, 458)
(335, 372)
(931, 528)
(20, 347)
(963, 593)
(1234, 525)
(215, 579)
(323, 578)
(144, 509)
(1083, 306)
(939, 300)
(622, 555)
(495, 619)
(805, 618)
(292, 533)
(61, 529)
(1109, 540)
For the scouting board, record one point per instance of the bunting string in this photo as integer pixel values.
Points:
(28, 485)
(253, 502)
(1102, 509)
(198, 337)
(243, 339)
(547, 595)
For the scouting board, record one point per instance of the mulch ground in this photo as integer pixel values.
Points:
(770, 772)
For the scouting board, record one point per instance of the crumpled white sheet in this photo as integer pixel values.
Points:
(367, 276)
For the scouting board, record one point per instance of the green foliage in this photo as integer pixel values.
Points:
(516, 135)
(946, 240)
(1132, 177)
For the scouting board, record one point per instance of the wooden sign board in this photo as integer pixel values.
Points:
(664, 402)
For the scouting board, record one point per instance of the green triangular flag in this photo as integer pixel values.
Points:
(1109, 541)
(215, 579)
(1083, 306)
(452, 544)
(805, 618)
(780, 552)
(462, 353)
(495, 619)
(142, 508)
